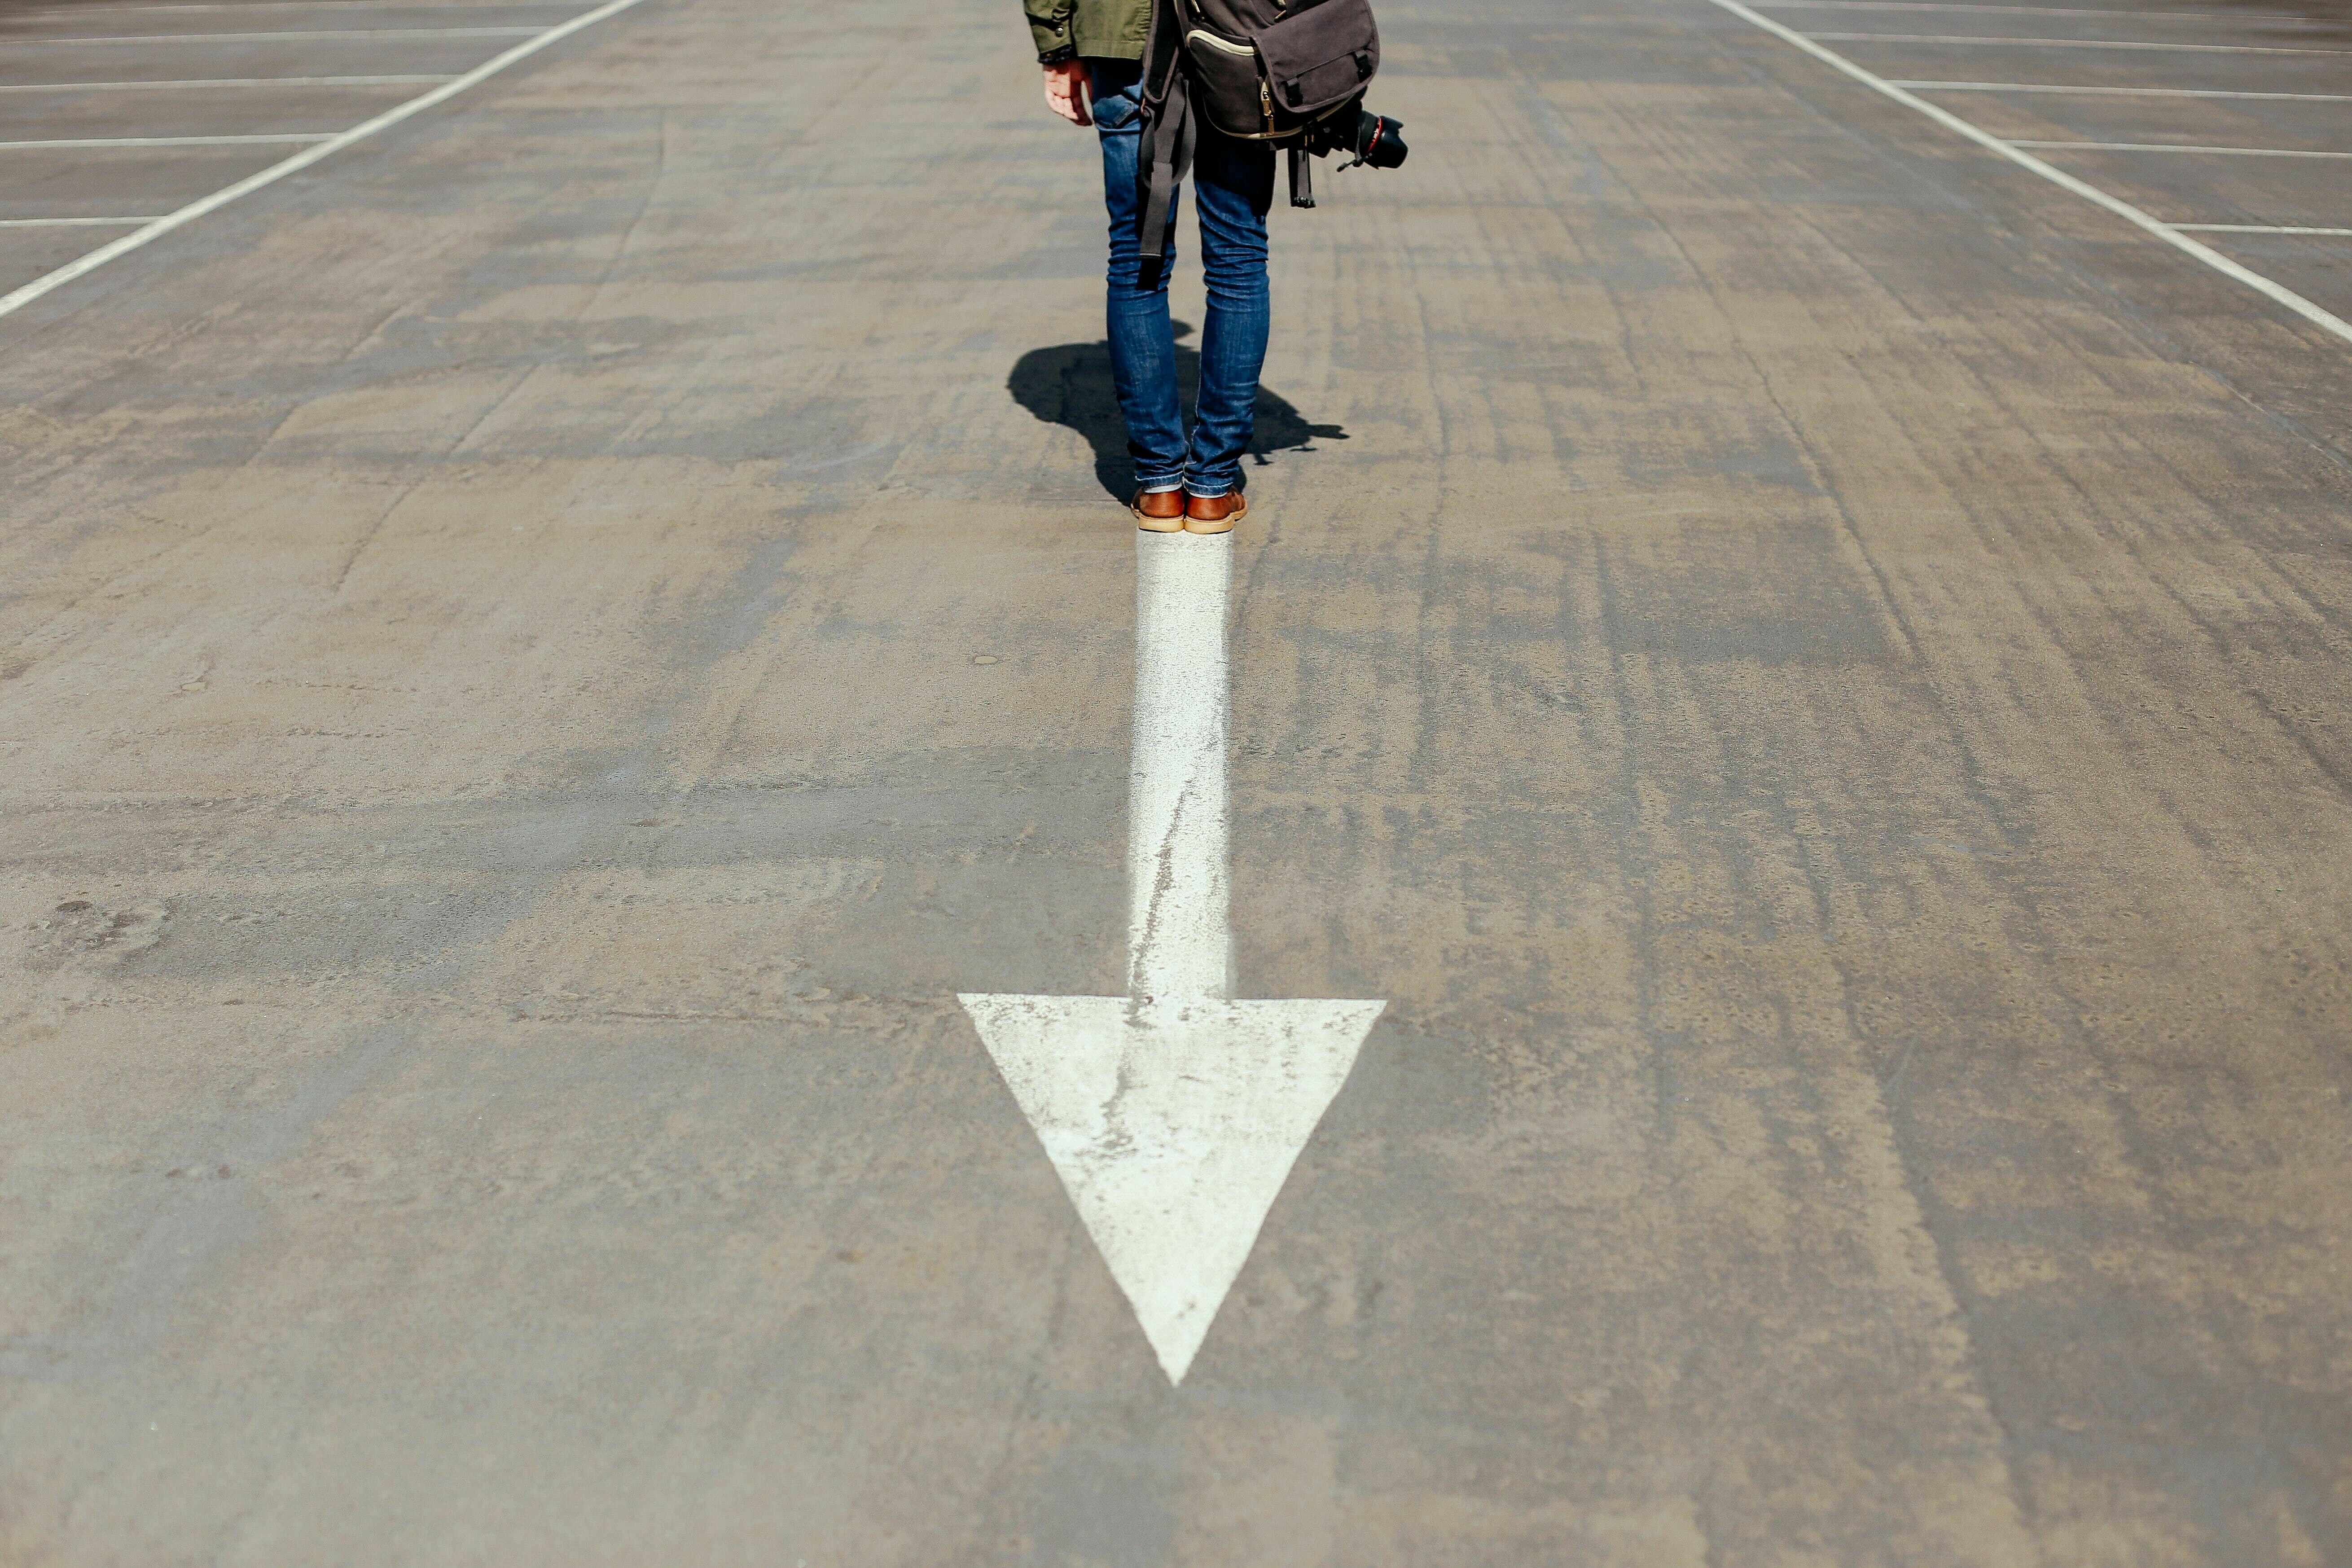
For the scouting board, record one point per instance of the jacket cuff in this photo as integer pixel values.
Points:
(1052, 26)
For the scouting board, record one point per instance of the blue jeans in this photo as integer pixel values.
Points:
(1235, 185)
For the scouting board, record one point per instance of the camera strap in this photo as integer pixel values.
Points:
(1302, 176)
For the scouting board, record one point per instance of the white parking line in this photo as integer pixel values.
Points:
(2278, 293)
(255, 140)
(71, 222)
(229, 81)
(81, 266)
(2029, 10)
(2117, 91)
(2259, 228)
(2181, 147)
(2068, 43)
(282, 37)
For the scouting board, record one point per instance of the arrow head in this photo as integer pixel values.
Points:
(1172, 1125)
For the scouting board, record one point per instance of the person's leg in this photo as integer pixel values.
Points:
(1232, 186)
(1142, 341)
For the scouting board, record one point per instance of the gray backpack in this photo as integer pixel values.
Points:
(1292, 72)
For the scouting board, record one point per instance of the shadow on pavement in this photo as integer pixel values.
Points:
(1070, 384)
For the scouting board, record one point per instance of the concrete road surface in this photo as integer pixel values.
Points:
(1800, 657)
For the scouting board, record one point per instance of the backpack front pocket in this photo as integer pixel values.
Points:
(1233, 94)
(1318, 58)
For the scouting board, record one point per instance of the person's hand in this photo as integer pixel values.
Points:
(1065, 91)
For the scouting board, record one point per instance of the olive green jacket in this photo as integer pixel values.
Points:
(1102, 29)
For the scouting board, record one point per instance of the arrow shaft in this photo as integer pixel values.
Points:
(1180, 937)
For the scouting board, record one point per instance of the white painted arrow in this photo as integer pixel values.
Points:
(1174, 1113)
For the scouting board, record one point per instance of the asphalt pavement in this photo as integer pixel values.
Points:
(594, 780)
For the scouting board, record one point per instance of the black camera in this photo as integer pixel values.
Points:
(1369, 138)
(1374, 139)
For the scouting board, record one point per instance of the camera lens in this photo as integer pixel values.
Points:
(1379, 141)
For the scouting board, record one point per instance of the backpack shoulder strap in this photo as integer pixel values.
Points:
(1163, 50)
(1167, 131)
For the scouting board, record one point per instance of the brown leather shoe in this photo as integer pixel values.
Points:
(1161, 511)
(1215, 514)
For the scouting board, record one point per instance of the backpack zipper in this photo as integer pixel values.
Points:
(1266, 103)
(1202, 35)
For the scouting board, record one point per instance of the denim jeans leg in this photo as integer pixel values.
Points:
(1142, 338)
(1233, 187)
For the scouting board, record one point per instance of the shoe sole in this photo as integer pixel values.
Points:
(1223, 525)
(1156, 524)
